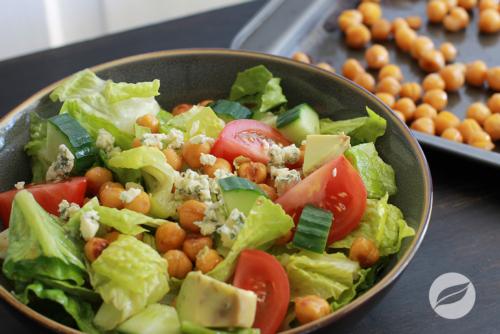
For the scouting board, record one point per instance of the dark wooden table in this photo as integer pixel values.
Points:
(464, 234)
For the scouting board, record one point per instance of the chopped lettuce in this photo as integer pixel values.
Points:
(129, 275)
(157, 173)
(258, 89)
(36, 148)
(99, 104)
(361, 130)
(382, 223)
(257, 232)
(38, 245)
(154, 319)
(122, 175)
(192, 328)
(198, 120)
(79, 310)
(163, 117)
(330, 276)
(378, 177)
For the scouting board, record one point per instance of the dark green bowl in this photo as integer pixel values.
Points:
(194, 75)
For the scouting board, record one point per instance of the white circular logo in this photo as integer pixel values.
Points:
(452, 295)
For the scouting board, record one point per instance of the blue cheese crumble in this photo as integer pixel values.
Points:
(62, 167)
(231, 227)
(89, 224)
(154, 140)
(190, 184)
(106, 142)
(127, 196)
(281, 156)
(67, 209)
(175, 139)
(19, 185)
(201, 139)
(284, 178)
(207, 159)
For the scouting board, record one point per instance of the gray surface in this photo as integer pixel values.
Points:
(310, 26)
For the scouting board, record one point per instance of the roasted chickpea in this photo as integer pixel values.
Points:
(326, 67)
(479, 137)
(493, 78)
(371, 12)
(488, 4)
(349, 18)
(376, 56)
(366, 81)
(399, 23)
(421, 45)
(433, 81)
(253, 171)
(205, 103)
(431, 61)
(270, 191)
(475, 73)
(140, 204)
(414, 21)
(357, 36)
(436, 11)
(110, 185)
(194, 244)
(424, 125)
(389, 85)
(110, 197)
(387, 99)
(136, 142)
(492, 126)
(453, 78)
(400, 115)
(467, 4)
(96, 177)
(425, 110)
(411, 90)
(458, 19)
(494, 103)
(405, 37)
(436, 98)
(220, 163)
(381, 30)
(94, 247)
(352, 68)
(190, 212)
(207, 259)
(112, 236)
(173, 159)
(179, 264)
(468, 128)
(452, 134)
(364, 251)
(169, 236)
(478, 111)
(445, 120)
(390, 70)
(489, 21)
(449, 51)
(406, 106)
(181, 108)
(310, 308)
(149, 121)
(483, 144)
(302, 57)
(191, 153)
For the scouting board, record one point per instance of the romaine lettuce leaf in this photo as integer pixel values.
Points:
(378, 177)
(154, 319)
(79, 310)
(198, 120)
(36, 148)
(189, 327)
(325, 275)
(361, 130)
(382, 223)
(38, 245)
(129, 275)
(99, 104)
(265, 223)
(157, 173)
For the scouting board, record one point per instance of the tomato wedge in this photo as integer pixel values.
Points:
(248, 138)
(47, 195)
(261, 273)
(336, 187)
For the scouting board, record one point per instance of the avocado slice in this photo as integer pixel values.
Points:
(323, 148)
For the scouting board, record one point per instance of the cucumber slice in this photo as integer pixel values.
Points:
(298, 122)
(313, 229)
(230, 110)
(239, 193)
(64, 129)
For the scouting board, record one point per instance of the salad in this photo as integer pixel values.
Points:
(241, 215)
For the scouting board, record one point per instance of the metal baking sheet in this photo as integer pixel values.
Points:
(285, 26)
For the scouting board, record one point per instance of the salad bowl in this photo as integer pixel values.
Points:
(198, 74)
